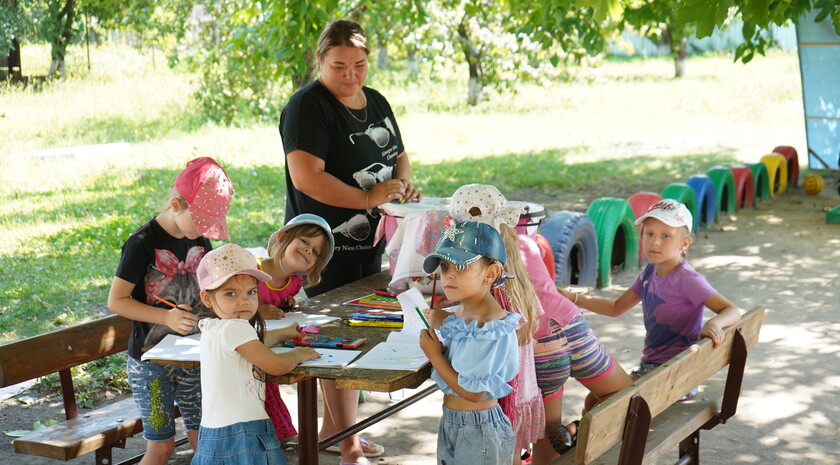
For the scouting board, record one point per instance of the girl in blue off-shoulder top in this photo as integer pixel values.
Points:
(476, 353)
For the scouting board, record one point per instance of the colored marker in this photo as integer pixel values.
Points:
(422, 317)
(166, 302)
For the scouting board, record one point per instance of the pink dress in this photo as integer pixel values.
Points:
(524, 406)
(274, 405)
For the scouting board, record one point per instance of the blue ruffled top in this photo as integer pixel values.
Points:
(485, 357)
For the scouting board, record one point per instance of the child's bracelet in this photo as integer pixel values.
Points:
(576, 298)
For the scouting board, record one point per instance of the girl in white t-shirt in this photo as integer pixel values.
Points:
(235, 358)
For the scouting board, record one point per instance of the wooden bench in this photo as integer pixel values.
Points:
(57, 352)
(644, 422)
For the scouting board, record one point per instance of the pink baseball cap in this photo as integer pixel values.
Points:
(208, 191)
(219, 265)
(670, 212)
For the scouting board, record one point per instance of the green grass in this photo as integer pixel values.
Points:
(609, 131)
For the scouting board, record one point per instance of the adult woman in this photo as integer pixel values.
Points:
(344, 156)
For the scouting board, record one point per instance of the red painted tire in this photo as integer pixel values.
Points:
(640, 202)
(547, 255)
(744, 186)
(792, 160)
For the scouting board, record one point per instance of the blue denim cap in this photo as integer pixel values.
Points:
(464, 243)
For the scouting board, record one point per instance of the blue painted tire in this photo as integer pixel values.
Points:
(571, 236)
(704, 188)
(682, 192)
(725, 191)
(618, 238)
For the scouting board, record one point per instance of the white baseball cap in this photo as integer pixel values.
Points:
(670, 212)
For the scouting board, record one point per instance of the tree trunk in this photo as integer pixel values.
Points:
(62, 34)
(473, 57)
(679, 51)
(382, 60)
(413, 64)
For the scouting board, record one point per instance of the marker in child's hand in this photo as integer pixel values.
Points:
(422, 317)
(166, 302)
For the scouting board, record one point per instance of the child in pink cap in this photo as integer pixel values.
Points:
(158, 263)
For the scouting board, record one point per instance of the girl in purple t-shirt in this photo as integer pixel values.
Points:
(672, 294)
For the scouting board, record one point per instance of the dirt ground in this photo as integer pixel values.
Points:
(780, 255)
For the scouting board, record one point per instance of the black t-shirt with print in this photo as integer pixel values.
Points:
(159, 264)
(359, 153)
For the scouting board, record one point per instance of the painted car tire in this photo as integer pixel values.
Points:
(761, 179)
(744, 186)
(776, 172)
(618, 239)
(704, 188)
(792, 161)
(574, 247)
(725, 192)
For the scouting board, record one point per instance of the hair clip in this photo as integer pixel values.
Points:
(503, 278)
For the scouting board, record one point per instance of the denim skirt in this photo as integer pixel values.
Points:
(247, 443)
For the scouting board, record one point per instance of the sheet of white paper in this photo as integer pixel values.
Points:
(330, 358)
(410, 301)
(171, 347)
(187, 348)
(302, 319)
(392, 356)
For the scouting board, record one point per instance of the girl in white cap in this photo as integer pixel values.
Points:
(672, 294)
(297, 253)
(235, 358)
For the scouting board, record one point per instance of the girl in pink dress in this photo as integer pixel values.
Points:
(297, 253)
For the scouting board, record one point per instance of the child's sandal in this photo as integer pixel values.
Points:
(560, 438)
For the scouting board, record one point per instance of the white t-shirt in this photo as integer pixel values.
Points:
(232, 388)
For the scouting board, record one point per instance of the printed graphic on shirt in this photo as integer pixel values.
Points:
(372, 175)
(356, 228)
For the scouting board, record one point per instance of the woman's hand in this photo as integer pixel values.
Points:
(385, 191)
(411, 194)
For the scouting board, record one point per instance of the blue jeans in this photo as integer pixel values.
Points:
(156, 388)
(248, 443)
(477, 437)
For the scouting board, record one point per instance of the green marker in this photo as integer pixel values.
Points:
(422, 317)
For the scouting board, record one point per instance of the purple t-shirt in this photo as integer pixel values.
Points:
(673, 310)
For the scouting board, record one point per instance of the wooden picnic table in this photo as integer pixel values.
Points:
(306, 378)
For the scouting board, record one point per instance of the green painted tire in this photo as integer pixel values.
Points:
(618, 239)
(761, 180)
(682, 192)
(725, 192)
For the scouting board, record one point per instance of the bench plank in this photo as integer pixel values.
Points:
(599, 430)
(87, 433)
(57, 350)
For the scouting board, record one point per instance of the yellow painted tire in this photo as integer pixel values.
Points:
(776, 172)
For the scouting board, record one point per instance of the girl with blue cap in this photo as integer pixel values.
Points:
(481, 354)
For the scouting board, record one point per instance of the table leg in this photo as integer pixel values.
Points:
(308, 422)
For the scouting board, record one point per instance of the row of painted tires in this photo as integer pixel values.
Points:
(586, 247)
